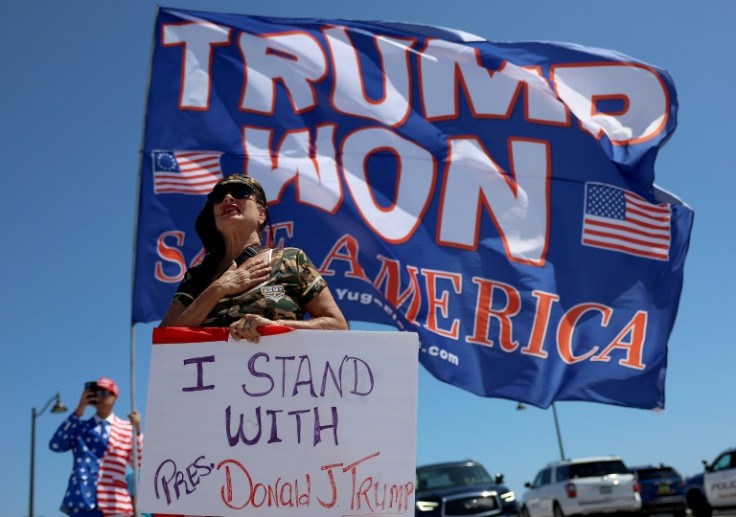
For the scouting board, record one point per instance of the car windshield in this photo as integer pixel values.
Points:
(444, 477)
(655, 474)
(597, 468)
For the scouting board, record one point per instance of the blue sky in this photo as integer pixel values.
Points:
(73, 92)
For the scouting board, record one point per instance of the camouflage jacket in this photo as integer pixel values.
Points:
(293, 282)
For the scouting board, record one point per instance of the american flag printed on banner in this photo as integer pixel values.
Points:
(619, 220)
(185, 172)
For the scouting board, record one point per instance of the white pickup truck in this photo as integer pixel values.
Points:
(715, 488)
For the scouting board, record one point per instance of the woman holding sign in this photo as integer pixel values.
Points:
(242, 285)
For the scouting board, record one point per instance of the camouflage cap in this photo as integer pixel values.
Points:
(240, 179)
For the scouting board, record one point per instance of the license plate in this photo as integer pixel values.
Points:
(664, 489)
(606, 489)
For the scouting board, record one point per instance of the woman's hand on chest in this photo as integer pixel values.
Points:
(238, 279)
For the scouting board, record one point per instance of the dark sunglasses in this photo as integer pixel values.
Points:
(103, 393)
(240, 191)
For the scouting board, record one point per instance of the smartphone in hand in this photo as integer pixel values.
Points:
(92, 387)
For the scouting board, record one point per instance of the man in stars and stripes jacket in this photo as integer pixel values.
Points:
(102, 446)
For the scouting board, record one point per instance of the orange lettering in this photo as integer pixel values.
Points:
(541, 321)
(350, 256)
(567, 326)
(170, 254)
(389, 275)
(637, 327)
(484, 312)
(440, 303)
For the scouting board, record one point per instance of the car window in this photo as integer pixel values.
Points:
(542, 478)
(723, 463)
(546, 475)
(656, 474)
(597, 468)
(563, 473)
(537, 480)
(444, 477)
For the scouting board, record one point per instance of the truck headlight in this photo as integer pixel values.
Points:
(427, 506)
(509, 496)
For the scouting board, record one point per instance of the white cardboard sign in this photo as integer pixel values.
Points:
(310, 423)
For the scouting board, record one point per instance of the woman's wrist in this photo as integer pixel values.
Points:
(218, 289)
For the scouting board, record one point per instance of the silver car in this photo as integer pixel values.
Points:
(581, 486)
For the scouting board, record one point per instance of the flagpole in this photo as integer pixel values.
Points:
(141, 156)
(132, 406)
(559, 435)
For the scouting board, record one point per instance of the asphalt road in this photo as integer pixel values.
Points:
(716, 513)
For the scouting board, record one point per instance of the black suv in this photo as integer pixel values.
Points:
(462, 488)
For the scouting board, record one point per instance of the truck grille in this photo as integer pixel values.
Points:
(475, 505)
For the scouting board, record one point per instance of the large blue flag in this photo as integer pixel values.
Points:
(496, 198)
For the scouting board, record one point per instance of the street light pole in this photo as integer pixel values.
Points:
(559, 435)
(59, 407)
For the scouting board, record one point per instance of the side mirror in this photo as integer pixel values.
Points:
(528, 484)
(499, 478)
